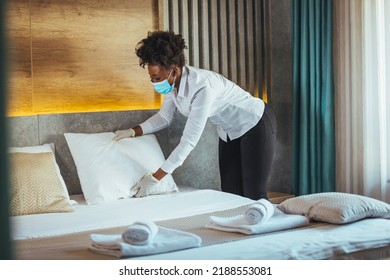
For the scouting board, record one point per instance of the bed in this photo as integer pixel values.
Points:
(39, 236)
(48, 222)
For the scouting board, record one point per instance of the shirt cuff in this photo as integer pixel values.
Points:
(168, 167)
(146, 127)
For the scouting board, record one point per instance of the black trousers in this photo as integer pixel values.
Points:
(245, 163)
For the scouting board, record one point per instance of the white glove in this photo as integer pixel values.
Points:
(120, 134)
(146, 186)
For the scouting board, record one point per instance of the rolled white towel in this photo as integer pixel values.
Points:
(259, 212)
(166, 240)
(278, 221)
(140, 233)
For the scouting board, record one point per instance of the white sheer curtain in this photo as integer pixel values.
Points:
(362, 97)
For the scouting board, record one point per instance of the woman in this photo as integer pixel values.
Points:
(245, 124)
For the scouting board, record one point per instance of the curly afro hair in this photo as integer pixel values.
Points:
(161, 47)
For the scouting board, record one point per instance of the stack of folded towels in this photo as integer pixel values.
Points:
(259, 217)
(143, 238)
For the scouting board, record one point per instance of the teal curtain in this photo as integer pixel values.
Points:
(5, 245)
(313, 158)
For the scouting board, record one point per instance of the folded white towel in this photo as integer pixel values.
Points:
(279, 221)
(259, 212)
(166, 240)
(140, 233)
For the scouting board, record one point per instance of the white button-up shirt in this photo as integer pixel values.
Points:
(205, 95)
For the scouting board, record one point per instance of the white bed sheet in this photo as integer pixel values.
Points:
(321, 242)
(123, 212)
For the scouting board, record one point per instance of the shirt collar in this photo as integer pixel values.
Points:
(183, 81)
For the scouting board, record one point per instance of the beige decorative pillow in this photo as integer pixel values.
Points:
(35, 185)
(336, 207)
(44, 148)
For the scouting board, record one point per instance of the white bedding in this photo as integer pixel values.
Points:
(320, 242)
(123, 212)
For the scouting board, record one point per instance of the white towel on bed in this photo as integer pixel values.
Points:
(259, 212)
(279, 221)
(140, 233)
(166, 240)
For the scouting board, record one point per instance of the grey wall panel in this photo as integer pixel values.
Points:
(200, 169)
(23, 131)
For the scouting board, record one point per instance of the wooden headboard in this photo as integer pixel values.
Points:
(70, 56)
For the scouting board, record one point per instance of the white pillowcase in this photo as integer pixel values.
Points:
(45, 148)
(336, 207)
(108, 169)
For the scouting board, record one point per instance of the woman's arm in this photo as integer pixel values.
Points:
(162, 119)
(196, 121)
(155, 123)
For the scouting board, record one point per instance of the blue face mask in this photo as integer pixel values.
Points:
(164, 87)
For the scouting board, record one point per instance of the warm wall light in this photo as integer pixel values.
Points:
(264, 95)
(45, 108)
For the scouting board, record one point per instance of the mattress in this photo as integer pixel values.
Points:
(317, 241)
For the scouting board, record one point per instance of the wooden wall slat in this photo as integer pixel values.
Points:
(214, 31)
(184, 23)
(223, 20)
(250, 46)
(258, 70)
(174, 20)
(163, 14)
(232, 39)
(204, 44)
(194, 34)
(241, 49)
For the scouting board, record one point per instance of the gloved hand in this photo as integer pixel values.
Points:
(146, 186)
(120, 134)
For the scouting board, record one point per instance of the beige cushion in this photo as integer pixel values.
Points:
(44, 148)
(35, 185)
(335, 207)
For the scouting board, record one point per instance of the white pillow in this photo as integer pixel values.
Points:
(336, 207)
(45, 148)
(108, 169)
